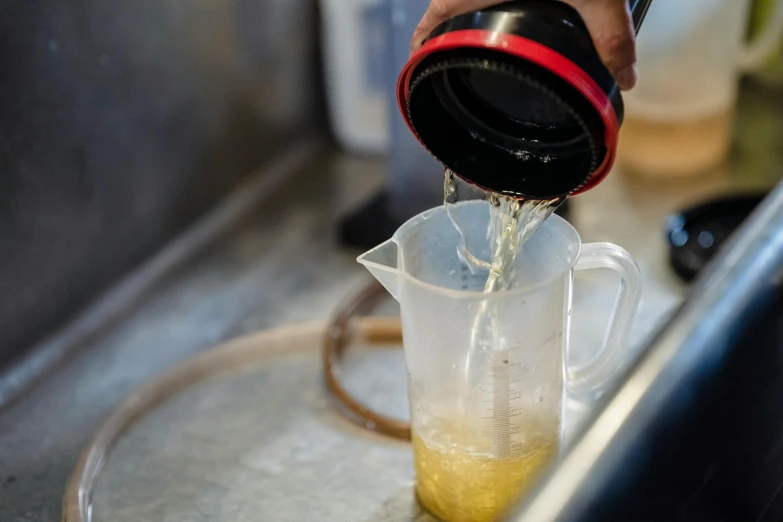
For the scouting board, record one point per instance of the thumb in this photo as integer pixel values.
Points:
(611, 27)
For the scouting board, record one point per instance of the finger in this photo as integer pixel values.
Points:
(611, 27)
(441, 10)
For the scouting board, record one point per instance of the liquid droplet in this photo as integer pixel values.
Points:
(476, 136)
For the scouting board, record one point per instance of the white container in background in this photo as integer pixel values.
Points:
(679, 118)
(354, 47)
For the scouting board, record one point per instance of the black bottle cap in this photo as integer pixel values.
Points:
(696, 234)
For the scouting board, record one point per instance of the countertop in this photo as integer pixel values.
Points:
(282, 265)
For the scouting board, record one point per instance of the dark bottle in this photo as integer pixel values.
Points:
(514, 98)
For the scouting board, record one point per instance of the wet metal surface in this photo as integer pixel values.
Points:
(280, 266)
(264, 444)
(123, 122)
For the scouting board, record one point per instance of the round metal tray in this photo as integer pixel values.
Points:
(245, 432)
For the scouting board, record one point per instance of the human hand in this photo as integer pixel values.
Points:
(609, 23)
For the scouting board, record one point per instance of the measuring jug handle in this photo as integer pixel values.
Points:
(764, 44)
(607, 255)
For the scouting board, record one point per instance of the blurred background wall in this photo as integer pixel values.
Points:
(122, 122)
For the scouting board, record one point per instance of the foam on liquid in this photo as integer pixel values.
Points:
(461, 486)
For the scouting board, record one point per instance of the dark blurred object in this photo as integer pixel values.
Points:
(694, 432)
(373, 223)
(696, 234)
(370, 225)
(120, 123)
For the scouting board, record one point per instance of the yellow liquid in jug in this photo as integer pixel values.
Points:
(456, 485)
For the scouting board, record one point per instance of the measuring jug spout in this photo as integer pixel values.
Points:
(381, 261)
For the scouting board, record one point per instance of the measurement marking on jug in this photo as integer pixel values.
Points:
(501, 438)
(513, 394)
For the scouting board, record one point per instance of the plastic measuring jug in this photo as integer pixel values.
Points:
(679, 118)
(488, 371)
